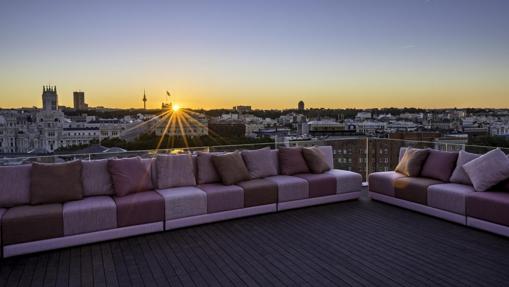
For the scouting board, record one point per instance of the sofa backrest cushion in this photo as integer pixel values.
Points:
(459, 175)
(55, 182)
(488, 170)
(231, 168)
(206, 172)
(130, 175)
(15, 185)
(327, 152)
(315, 160)
(412, 162)
(174, 171)
(439, 165)
(96, 178)
(291, 161)
(260, 163)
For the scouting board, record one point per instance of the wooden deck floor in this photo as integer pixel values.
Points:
(358, 243)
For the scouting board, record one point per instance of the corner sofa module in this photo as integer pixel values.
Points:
(414, 189)
(492, 206)
(347, 181)
(449, 196)
(90, 214)
(259, 192)
(31, 223)
(184, 201)
(320, 184)
(290, 187)
(223, 197)
(383, 182)
(139, 208)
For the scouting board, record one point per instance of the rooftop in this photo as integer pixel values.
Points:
(351, 243)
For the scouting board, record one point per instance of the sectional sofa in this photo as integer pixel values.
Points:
(447, 194)
(103, 212)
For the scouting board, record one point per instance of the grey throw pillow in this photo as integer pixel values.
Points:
(315, 160)
(488, 170)
(412, 161)
(231, 168)
(175, 171)
(459, 175)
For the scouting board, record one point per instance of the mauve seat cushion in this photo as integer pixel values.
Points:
(32, 222)
(320, 184)
(383, 182)
(489, 206)
(290, 187)
(347, 181)
(14, 185)
(291, 161)
(90, 214)
(260, 163)
(55, 182)
(206, 171)
(414, 189)
(130, 175)
(459, 175)
(439, 165)
(223, 197)
(96, 178)
(139, 208)
(175, 171)
(449, 196)
(180, 202)
(259, 192)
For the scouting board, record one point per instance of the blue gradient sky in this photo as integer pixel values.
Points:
(343, 53)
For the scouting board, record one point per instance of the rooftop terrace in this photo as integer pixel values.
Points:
(350, 244)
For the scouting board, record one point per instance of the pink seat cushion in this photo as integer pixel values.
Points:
(139, 208)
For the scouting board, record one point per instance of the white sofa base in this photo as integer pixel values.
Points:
(219, 216)
(317, 200)
(488, 226)
(80, 239)
(450, 216)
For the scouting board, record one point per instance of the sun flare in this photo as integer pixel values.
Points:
(175, 108)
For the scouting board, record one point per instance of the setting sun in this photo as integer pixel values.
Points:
(175, 108)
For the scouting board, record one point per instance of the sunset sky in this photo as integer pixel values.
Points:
(268, 54)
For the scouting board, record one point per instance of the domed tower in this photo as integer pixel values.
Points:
(301, 106)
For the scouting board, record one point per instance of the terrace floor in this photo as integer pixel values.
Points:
(357, 243)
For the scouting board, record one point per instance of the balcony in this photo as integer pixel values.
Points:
(359, 242)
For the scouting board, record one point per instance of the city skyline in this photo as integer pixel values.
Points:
(330, 54)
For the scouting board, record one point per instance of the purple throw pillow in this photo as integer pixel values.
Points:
(439, 165)
(231, 168)
(291, 161)
(130, 175)
(459, 175)
(488, 170)
(206, 171)
(412, 162)
(55, 182)
(315, 160)
(260, 163)
(174, 171)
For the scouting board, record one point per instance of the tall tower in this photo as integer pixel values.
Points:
(79, 100)
(49, 98)
(144, 100)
